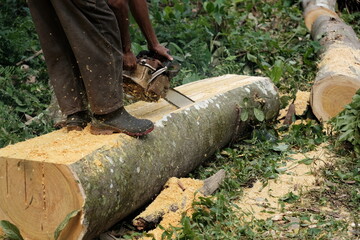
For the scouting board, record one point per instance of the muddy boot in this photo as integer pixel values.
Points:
(77, 121)
(120, 121)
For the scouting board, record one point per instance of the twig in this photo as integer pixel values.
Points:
(181, 185)
(29, 58)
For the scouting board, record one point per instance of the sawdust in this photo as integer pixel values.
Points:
(301, 102)
(59, 146)
(176, 199)
(349, 64)
(262, 202)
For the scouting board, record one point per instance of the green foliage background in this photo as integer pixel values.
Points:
(19, 96)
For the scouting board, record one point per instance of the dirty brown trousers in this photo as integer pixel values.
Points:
(82, 48)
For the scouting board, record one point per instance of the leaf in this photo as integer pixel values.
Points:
(136, 48)
(277, 71)
(10, 230)
(346, 135)
(218, 18)
(306, 161)
(281, 147)
(63, 224)
(313, 231)
(176, 47)
(289, 198)
(251, 58)
(244, 115)
(259, 115)
(209, 7)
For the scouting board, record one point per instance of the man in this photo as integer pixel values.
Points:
(82, 48)
(140, 12)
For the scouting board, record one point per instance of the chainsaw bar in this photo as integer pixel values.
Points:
(177, 99)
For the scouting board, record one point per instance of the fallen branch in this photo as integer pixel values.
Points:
(29, 58)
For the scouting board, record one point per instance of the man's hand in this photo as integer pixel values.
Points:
(161, 51)
(129, 61)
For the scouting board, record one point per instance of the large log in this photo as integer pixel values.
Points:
(338, 76)
(106, 178)
(315, 8)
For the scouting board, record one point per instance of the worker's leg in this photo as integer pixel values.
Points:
(61, 63)
(93, 34)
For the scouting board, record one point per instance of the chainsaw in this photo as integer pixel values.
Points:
(151, 80)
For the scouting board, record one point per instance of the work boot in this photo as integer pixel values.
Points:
(120, 121)
(77, 121)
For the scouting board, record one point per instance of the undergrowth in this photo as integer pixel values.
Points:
(24, 89)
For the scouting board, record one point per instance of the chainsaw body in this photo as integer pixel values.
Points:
(149, 82)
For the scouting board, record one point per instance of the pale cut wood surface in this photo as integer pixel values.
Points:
(106, 178)
(315, 8)
(338, 76)
(65, 148)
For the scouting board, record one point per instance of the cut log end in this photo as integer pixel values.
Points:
(313, 13)
(331, 94)
(38, 215)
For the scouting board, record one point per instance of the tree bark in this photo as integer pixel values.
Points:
(108, 177)
(315, 8)
(338, 76)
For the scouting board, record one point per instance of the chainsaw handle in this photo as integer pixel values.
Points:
(152, 54)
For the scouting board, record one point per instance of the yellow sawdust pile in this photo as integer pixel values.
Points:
(176, 199)
(301, 102)
(263, 202)
(59, 146)
(349, 63)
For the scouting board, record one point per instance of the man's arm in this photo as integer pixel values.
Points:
(139, 10)
(121, 10)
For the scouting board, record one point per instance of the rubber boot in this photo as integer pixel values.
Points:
(120, 121)
(77, 121)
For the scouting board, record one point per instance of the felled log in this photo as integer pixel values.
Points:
(338, 76)
(315, 8)
(102, 179)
